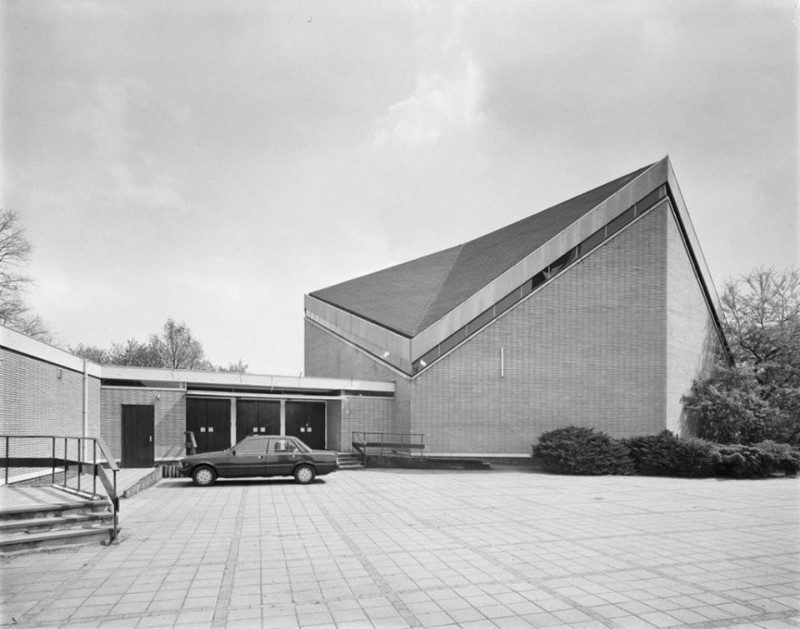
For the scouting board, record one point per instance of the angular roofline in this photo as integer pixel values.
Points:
(656, 175)
(410, 296)
(571, 235)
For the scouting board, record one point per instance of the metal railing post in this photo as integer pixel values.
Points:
(80, 457)
(65, 460)
(7, 438)
(116, 509)
(53, 471)
(94, 467)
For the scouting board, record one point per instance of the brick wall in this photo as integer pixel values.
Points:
(613, 342)
(169, 418)
(587, 349)
(692, 339)
(326, 355)
(42, 398)
(366, 414)
(333, 425)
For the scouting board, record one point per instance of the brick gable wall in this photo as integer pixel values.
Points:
(586, 349)
(612, 342)
(692, 339)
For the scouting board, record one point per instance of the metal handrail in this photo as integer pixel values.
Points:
(53, 461)
(360, 446)
(362, 441)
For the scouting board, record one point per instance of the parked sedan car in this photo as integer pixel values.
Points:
(260, 455)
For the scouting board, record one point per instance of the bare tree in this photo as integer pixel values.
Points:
(238, 367)
(134, 354)
(177, 348)
(90, 352)
(762, 323)
(15, 251)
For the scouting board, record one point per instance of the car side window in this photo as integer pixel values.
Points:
(283, 445)
(252, 446)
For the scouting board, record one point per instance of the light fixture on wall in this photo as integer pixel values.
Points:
(59, 373)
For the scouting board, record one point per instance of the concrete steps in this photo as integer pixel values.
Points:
(54, 524)
(349, 461)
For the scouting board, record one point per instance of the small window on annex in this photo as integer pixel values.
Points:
(568, 258)
(537, 280)
(620, 222)
(592, 241)
(481, 320)
(506, 302)
(451, 341)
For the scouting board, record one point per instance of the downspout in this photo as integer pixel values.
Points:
(85, 430)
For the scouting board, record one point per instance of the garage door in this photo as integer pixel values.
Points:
(306, 420)
(257, 417)
(210, 420)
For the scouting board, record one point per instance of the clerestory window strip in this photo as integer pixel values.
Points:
(543, 276)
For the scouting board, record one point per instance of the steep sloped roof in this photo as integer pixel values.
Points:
(409, 297)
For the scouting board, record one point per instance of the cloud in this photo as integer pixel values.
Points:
(121, 152)
(447, 88)
(439, 105)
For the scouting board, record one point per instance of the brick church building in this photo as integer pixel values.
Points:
(598, 311)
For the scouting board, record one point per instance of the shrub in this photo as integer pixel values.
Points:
(732, 405)
(667, 455)
(760, 460)
(779, 457)
(729, 408)
(575, 450)
(738, 461)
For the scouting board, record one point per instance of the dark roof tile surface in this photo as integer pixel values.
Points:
(409, 297)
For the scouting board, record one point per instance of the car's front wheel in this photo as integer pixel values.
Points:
(304, 474)
(203, 476)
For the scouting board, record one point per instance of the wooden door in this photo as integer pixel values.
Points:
(210, 420)
(261, 417)
(138, 433)
(306, 421)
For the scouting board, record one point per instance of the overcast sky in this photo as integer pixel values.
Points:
(215, 161)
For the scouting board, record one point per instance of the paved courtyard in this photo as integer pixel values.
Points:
(429, 549)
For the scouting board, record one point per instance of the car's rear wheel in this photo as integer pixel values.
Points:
(203, 476)
(304, 474)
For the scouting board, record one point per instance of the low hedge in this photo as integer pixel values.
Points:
(761, 460)
(667, 455)
(575, 450)
(579, 450)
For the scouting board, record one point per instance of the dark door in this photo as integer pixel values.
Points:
(306, 421)
(210, 420)
(138, 428)
(257, 417)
